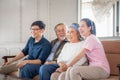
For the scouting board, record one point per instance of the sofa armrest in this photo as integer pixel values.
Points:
(118, 65)
(6, 58)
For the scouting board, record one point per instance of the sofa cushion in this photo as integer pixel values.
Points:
(112, 50)
(113, 59)
(111, 78)
(112, 47)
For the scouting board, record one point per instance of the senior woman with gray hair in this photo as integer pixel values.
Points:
(69, 51)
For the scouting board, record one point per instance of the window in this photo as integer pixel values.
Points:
(116, 19)
(105, 17)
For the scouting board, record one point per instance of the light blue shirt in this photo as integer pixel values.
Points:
(51, 56)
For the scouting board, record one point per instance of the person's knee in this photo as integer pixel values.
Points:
(62, 76)
(54, 76)
(43, 68)
(26, 68)
(74, 71)
(23, 71)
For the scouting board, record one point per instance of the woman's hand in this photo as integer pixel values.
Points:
(50, 62)
(59, 70)
(61, 64)
(63, 67)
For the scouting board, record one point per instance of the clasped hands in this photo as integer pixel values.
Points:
(62, 67)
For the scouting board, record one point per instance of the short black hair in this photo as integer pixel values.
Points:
(40, 24)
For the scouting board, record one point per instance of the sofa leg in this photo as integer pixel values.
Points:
(119, 70)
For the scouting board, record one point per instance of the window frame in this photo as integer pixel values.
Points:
(116, 20)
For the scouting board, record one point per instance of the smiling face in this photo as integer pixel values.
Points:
(72, 35)
(36, 32)
(60, 32)
(84, 29)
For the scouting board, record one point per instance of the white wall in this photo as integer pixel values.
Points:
(9, 21)
(16, 17)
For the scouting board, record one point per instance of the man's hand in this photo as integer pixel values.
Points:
(7, 63)
(22, 63)
(50, 62)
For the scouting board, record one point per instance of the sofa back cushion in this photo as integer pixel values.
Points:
(112, 50)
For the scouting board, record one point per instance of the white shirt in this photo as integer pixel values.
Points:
(69, 51)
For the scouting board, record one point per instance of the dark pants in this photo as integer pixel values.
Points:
(46, 70)
(29, 71)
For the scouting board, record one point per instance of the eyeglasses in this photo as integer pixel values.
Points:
(34, 29)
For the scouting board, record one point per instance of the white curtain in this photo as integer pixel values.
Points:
(101, 8)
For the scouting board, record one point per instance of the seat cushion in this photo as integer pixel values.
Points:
(111, 78)
(112, 50)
